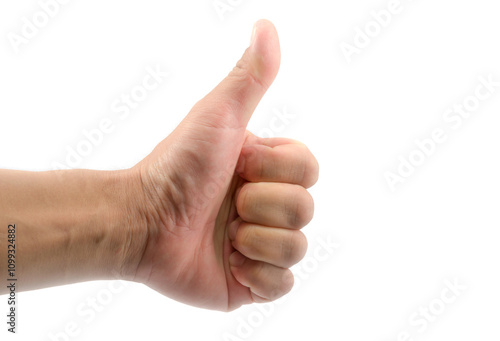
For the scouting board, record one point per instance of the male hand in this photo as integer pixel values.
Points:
(221, 208)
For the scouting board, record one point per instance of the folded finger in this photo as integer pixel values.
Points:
(266, 282)
(277, 160)
(277, 246)
(275, 204)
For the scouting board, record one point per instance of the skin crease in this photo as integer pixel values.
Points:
(210, 218)
(193, 191)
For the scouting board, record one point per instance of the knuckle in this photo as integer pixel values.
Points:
(244, 72)
(294, 248)
(302, 208)
(309, 167)
(313, 171)
(240, 71)
(287, 282)
(281, 285)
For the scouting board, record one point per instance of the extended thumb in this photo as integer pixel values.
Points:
(237, 96)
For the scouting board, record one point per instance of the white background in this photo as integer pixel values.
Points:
(396, 249)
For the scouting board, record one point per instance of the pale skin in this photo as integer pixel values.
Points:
(211, 218)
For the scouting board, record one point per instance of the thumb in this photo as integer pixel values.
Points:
(204, 148)
(233, 101)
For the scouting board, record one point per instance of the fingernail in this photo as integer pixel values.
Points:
(240, 166)
(254, 34)
(237, 194)
(233, 228)
(236, 259)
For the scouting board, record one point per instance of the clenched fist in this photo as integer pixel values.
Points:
(224, 208)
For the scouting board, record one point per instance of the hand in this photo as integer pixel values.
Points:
(221, 208)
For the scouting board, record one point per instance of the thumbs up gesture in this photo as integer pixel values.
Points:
(219, 209)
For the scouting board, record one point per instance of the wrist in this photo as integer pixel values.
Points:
(126, 224)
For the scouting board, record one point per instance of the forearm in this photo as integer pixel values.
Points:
(71, 226)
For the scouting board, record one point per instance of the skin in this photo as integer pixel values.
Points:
(211, 217)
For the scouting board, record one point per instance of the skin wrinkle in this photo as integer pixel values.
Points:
(245, 69)
(146, 216)
(168, 214)
(227, 119)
